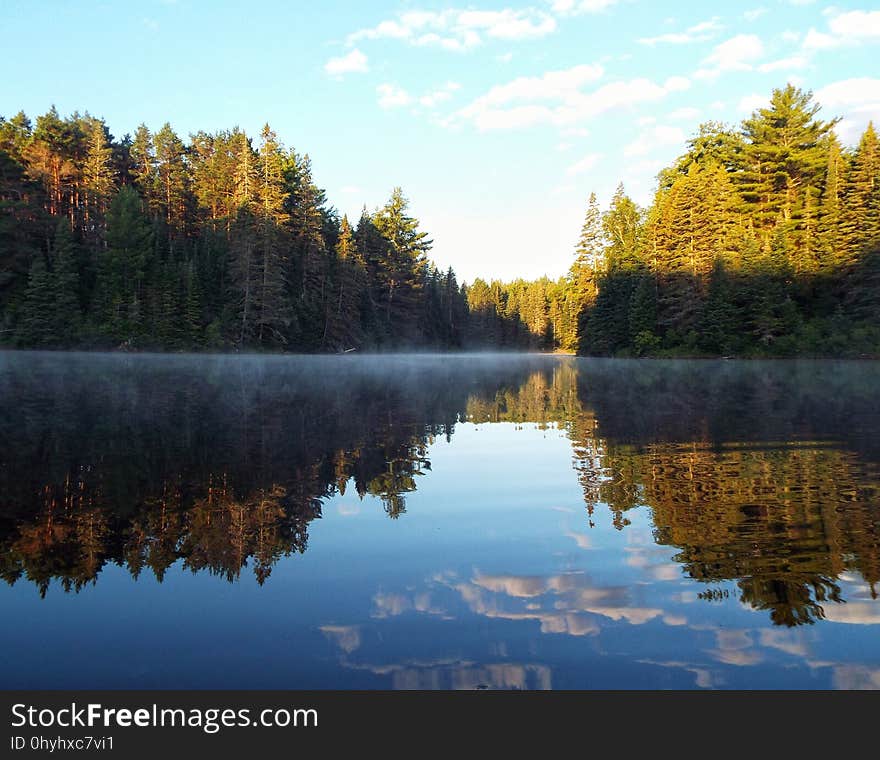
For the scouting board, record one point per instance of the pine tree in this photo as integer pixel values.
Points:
(621, 227)
(15, 134)
(193, 306)
(122, 266)
(343, 320)
(143, 168)
(583, 277)
(831, 243)
(35, 328)
(245, 272)
(862, 218)
(643, 316)
(50, 157)
(721, 325)
(172, 179)
(309, 278)
(272, 313)
(784, 154)
(97, 173)
(66, 314)
(590, 250)
(400, 271)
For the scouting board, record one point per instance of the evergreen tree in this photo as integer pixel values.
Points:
(122, 266)
(862, 218)
(343, 324)
(272, 312)
(831, 243)
(97, 172)
(65, 311)
(400, 270)
(143, 168)
(643, 316)
(172, 179)
(621, 226)
(35, 326)
(783, 155)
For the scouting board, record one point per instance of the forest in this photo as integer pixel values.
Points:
(761, 240)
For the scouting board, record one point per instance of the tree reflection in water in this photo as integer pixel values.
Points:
(765, 474)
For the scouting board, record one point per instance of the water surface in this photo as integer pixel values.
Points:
(437, 522)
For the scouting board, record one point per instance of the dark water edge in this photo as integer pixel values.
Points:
(438, 521)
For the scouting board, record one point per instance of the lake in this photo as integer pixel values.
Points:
(438, 521)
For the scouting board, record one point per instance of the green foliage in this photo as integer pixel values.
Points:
(212, 244)
(759, 242)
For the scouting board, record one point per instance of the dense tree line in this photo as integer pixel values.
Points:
(151, 242)
(760, 240)
(537, 315)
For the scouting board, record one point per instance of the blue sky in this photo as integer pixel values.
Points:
(497, 118)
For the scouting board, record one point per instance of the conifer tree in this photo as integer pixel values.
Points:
(343, 321)
(35, 327)
(831, 241)
(309, 278)
(97, 172)
(621, 227)
(400, 271)
(143, 167)
(172, 179)
(272, 313)
(784, 154)
(66, 314)
(862, 219)
(122, 266)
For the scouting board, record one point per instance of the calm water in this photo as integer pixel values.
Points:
(438, 522)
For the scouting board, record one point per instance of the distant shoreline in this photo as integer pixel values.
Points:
(426, 353)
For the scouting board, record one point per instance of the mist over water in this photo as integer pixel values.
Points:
(438, 521)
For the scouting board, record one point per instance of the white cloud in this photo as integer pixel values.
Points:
(355, 61)
(569, 106)
(552, 85)
(850, 28)
(755, 14)
(392, 96)
(849, 92)
(504, 57)
(508, 24)
(736, 53)
(432, 99)
(701, 32)
(856, 25)
(659, 136)
(575, 132)
(784, 64)
(459, 29)
(856, 99)
(820, 41)
(577, 7)
(752, 102)
(688, 113)
(584, 165)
